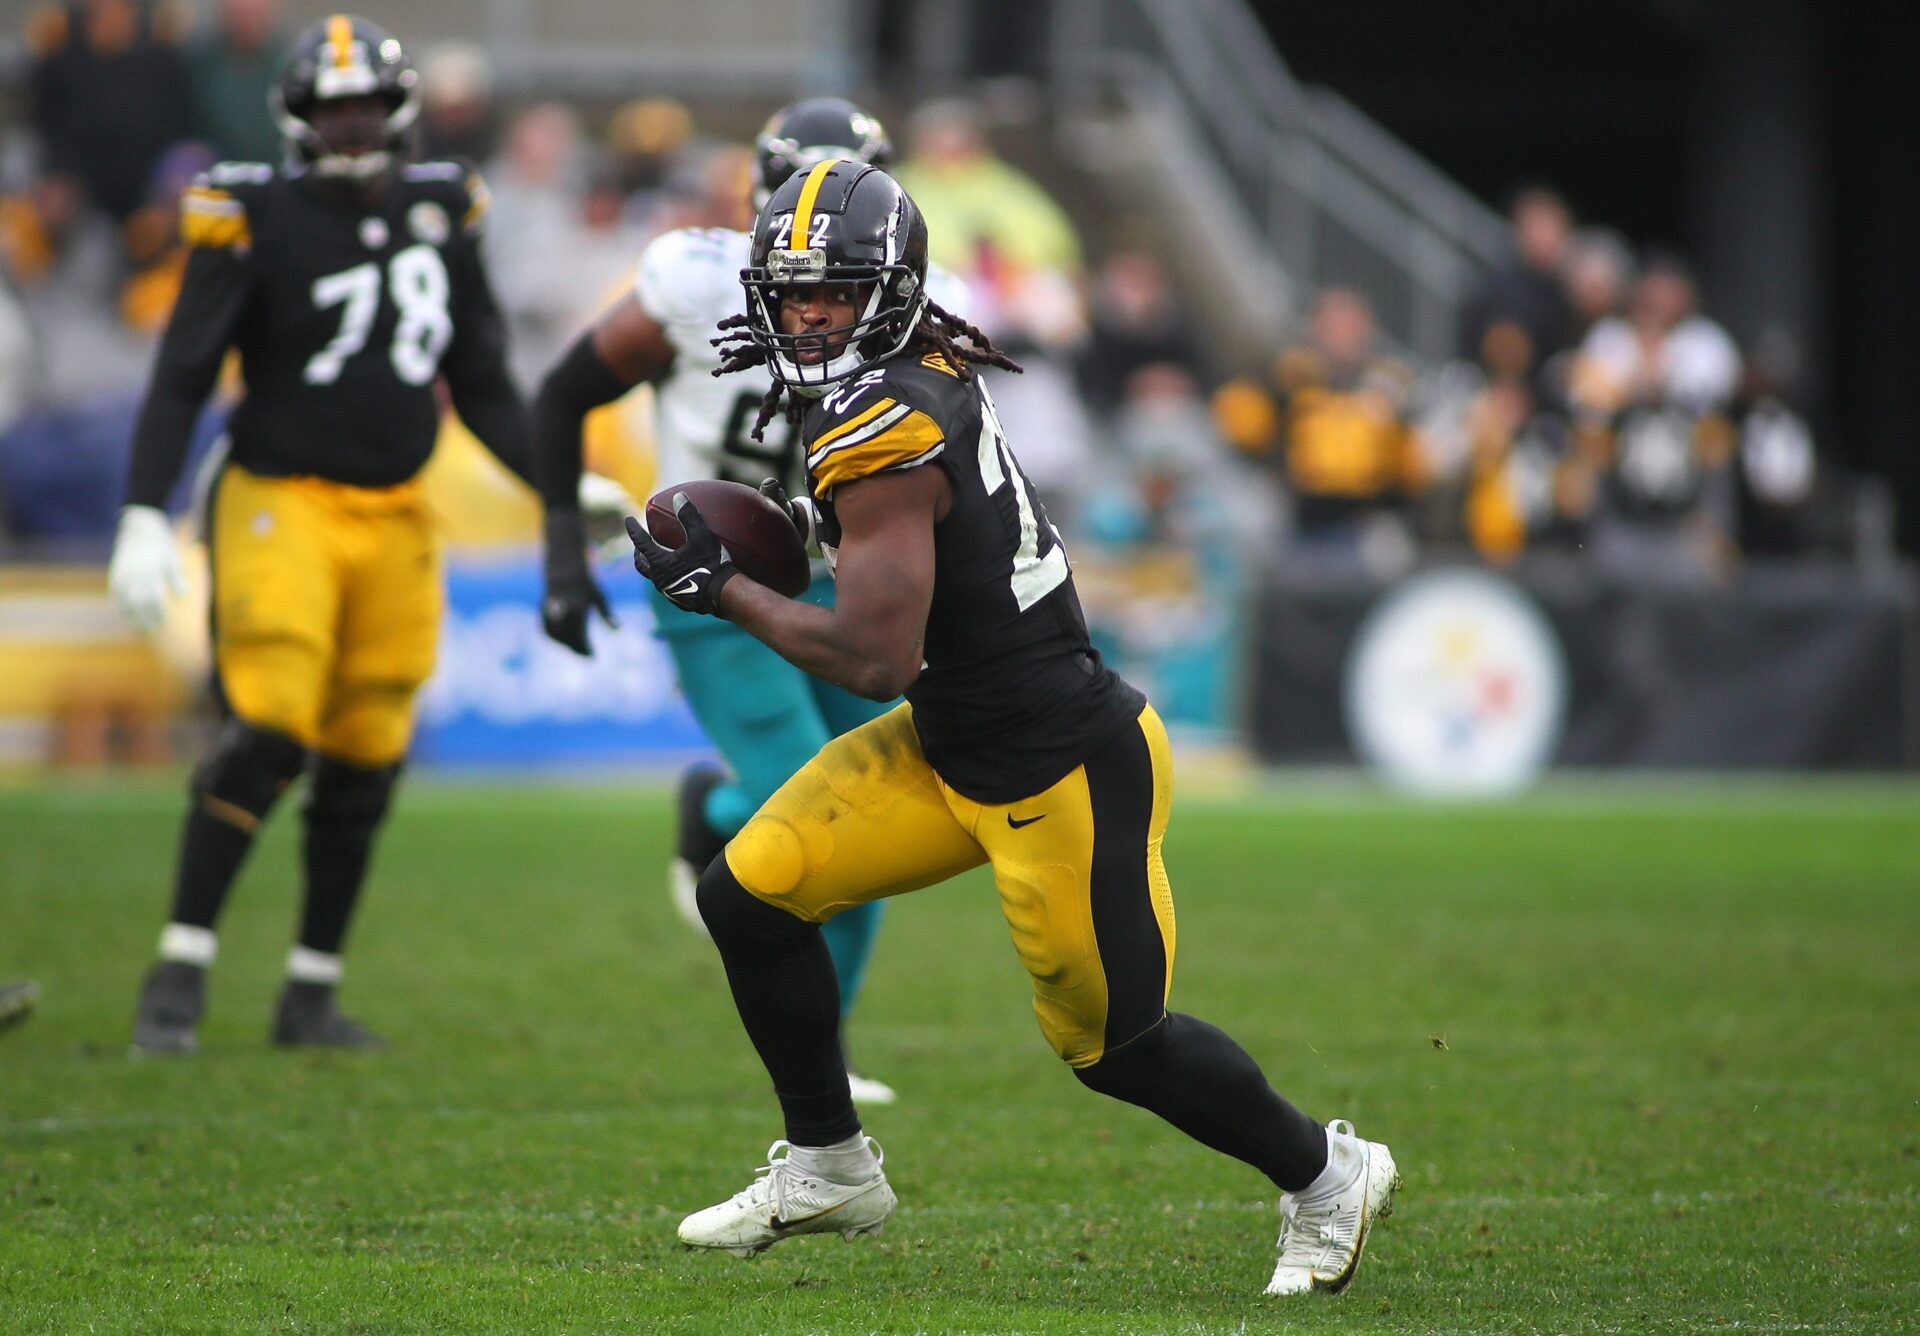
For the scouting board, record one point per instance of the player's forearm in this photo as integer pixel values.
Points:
(580, 382)
(821, 641)
(213, 293)
(494, 413)
(162, 435)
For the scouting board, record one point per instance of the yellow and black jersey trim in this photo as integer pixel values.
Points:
(214, 218)
(938, 362)
(885, 435)
(479, 201)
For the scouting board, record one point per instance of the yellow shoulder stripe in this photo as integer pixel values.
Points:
(913, 438)
(212, 217)
(858, 420)
(803, 208)
(479, 200)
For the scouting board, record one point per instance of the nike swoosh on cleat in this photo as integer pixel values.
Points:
(776, 1224)
(1026, 821)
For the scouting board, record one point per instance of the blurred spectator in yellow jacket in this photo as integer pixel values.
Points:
(1332, 420)
(973, 199)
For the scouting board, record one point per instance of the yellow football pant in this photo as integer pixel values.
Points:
(1078, 866)
(326, 609)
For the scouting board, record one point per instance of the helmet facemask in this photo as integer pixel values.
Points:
(348, 69)
(880, 328)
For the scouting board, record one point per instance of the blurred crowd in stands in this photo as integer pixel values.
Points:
(1593, 408)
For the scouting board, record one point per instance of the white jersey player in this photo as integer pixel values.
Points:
(765, 716)
(688, 282)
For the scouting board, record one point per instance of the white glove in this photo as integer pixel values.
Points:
(145, 570)
(605, 505)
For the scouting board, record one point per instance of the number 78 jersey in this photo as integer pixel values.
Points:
(344, 314)
(688, 282)
(1011, 694)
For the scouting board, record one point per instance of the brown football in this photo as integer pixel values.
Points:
(758, 535)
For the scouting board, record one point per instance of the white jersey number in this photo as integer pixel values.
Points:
(417, 279)
(1034, 576)
(745, 460)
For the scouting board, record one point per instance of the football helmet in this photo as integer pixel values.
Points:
(801, 133)
(341, 57)
(838, 222)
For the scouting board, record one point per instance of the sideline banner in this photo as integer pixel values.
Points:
(1789, 667)
(506, 695)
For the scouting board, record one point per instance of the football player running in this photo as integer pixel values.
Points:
(1016, 747)
(350, 282)
(766, 716)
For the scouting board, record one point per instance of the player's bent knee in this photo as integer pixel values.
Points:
(245, 772)
(734, 915)
(350, 797)
(769, 853)
(1129, 1067)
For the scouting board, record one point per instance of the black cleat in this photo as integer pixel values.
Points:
(697, 843)
(17, 1000)
(172, 1000)
(307, 1018)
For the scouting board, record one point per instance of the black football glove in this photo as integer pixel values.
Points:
(802, 512)
(572, 592)
(691, 575)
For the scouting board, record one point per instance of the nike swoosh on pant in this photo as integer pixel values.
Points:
(1026, 822)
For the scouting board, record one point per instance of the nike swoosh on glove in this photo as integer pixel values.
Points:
(691, 575)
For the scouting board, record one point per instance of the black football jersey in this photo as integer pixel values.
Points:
(1012, 695)
(344, 316)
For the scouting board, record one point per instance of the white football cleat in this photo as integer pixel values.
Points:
(684, 882)
(866, 1090)
(783, 1202)
(1322, 1237)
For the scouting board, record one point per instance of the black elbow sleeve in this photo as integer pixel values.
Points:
(579, 382)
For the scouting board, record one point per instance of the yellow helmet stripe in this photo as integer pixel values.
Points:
(340, 38)
(809, 192)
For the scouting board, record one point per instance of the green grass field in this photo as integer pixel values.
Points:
(1649, 1060)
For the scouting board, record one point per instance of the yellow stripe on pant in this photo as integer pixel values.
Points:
(1076, 869)
(326, 609)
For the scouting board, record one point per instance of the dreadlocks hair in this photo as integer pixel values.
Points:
(938, 328)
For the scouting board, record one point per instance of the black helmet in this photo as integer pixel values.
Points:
(804, 132)
(837, 222)
(341, 57)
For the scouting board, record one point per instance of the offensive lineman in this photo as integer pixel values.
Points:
(765, 716)
(351, 283)
(1015, 747)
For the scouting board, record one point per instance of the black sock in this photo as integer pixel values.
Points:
(1193, 1075)
(344, 813)
(336, 869)
(233, 788)
(788, 997)
(212, 848)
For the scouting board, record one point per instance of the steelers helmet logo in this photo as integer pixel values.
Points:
(428, 222)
